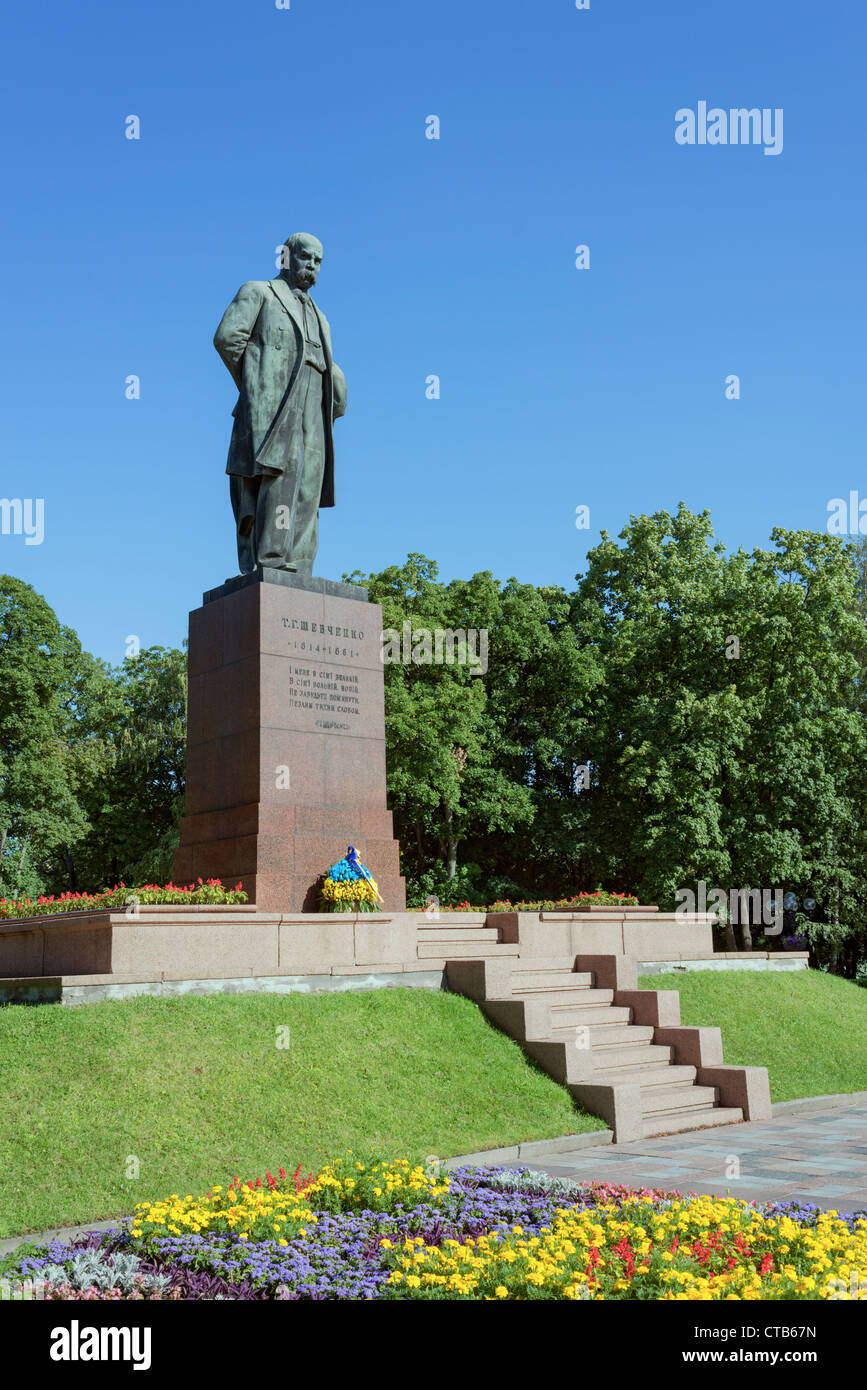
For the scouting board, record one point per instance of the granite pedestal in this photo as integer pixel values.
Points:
(286, 740)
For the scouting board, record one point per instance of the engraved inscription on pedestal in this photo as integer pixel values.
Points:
(325, 691)
(286, 679)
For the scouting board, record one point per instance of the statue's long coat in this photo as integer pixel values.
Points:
(261, 341)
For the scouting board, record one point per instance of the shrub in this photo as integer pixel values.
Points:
(204, 891)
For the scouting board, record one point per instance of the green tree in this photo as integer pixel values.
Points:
(433, 716)
(728, 734)
(540, 675)
(666, 723)
(46, 686)
(473, 759)
(134, 797)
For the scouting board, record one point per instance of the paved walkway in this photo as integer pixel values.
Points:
(819, 1157)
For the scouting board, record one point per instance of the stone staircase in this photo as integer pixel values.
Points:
(451, 936)
(621, 1052)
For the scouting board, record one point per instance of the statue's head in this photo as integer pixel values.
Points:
(304, 259)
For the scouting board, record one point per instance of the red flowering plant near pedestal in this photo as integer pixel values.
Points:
(208, 891)
(600, 898)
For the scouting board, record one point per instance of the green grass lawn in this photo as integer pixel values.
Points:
(807, 1028)
(197, 1090)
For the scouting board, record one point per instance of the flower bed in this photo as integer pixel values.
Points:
(578, 900)
(208, 890)
(379, 1230)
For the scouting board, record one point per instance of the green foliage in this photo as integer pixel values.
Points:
(46, 686)
(728, 736)
(91, 758)
(19, 876)
(134, 799)
(435, 883)
(483, 764)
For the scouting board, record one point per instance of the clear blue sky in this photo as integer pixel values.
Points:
(560, 387)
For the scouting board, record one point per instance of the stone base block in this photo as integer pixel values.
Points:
(747, 1088)
(619, 1106)
(286, 741)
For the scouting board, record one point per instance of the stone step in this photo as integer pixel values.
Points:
(472, 950)
(627, 1055)
(543, 964)
(658, 1125)
(645, 1074)
(445, 918)
(598, 1014)
(624, 1075)
(445, 932)
(564, 1000)
(605, 1035)
(527, 981)
(685, 1096)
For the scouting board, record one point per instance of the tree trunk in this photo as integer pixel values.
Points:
(70, 871)
(452, 847)
(746, 936)
(21, 858)
(419, 848)
(3, 834)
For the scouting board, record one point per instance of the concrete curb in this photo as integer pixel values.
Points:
(537, 1148)
(800, 1107)
(775, 962)
(64, 1233)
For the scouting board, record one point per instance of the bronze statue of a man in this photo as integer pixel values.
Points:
(277, 344)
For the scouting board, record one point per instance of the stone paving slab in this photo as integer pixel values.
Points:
(819, 1158)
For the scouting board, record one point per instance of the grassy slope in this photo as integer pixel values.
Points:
(198, 1090)
(807, 1028)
